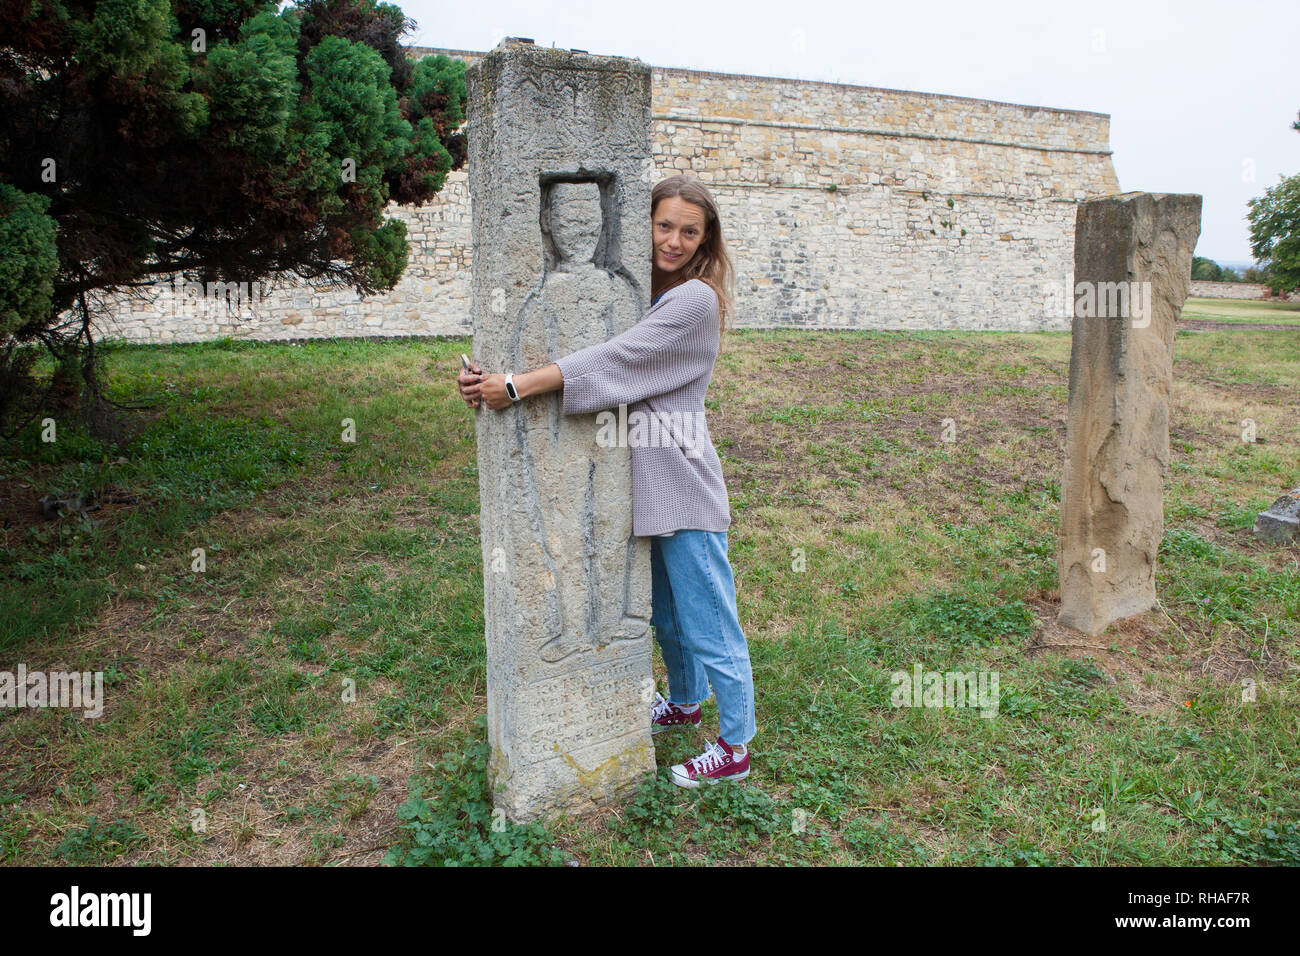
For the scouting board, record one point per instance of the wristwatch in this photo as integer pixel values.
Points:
(510, 387)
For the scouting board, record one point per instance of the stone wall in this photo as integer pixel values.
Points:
(1228, 290)
(843, 206)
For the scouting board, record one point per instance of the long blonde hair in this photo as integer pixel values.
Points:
(710, 264)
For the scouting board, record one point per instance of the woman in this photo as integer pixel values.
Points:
(663, 364)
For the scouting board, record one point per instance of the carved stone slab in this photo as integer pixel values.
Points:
(559, 162)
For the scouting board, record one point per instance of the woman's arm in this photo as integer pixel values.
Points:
(670, 346)
(492, 388)
(674, 344)
(545, 379)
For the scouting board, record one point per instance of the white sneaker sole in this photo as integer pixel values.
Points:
(680, 778)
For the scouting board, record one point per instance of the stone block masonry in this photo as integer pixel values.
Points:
(844, 206)
(1237, 290)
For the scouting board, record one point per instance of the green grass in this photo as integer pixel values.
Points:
(315, 694)
(1272, 312)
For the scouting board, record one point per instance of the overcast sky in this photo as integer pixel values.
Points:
(1201, 95)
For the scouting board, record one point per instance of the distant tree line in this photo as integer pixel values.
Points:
(1207, 270)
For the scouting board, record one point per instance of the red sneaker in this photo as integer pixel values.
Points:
(665, 715)
(717, 763)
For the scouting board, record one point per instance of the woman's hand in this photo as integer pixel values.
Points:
(492, 389)
(468, 382)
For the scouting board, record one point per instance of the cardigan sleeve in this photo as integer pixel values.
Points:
(665, 350)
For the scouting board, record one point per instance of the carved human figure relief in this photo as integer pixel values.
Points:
(587, 549)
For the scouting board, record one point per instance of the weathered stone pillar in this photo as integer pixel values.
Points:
(1133, 265)
(559, 160)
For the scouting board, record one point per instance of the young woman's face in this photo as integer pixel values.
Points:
(678, 232)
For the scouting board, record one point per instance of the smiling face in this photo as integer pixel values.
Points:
(679, 228)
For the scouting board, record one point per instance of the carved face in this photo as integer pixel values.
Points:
(679, 228)
(575, 220)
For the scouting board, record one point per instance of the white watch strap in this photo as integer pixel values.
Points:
(511, 390)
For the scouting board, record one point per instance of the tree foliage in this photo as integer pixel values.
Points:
(1206, 270)
(221, 140)
(1275, 233)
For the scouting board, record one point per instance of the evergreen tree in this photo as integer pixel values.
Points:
(220, 140)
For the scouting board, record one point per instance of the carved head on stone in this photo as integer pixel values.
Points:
(574, 220)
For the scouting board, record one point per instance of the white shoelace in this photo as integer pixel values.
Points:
(711, 759)
(660, 707)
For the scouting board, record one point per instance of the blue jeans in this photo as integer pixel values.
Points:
(699, 634)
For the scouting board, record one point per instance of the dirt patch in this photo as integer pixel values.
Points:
(1254, 391)
(268, 820)
(21, 500)
(20, 509)
(1126, 651)
(1158, 641)
(1209, 325)
(775, 459)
